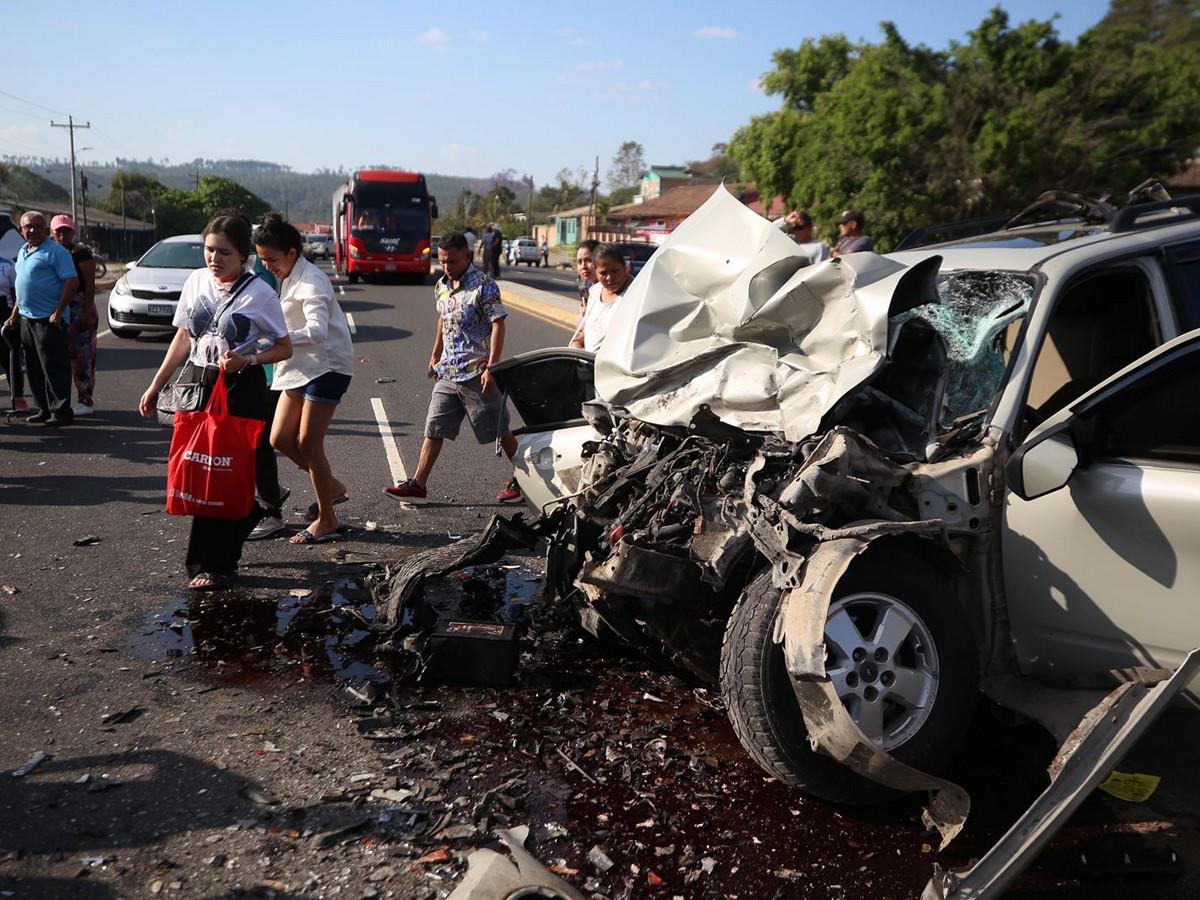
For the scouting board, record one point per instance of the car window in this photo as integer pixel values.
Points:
(1144, 420)
(1100, 325)
(1183, 272)
(173, 255)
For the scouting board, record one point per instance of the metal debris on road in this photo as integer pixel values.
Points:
(39, 756)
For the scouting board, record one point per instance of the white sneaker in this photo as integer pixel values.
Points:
(266, 527)
(82, 409)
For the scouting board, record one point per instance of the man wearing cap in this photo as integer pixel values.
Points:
(81, 333)
(851, 225)
(46, 285)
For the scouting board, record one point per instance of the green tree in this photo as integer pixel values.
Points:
(627, 166)
(914, 136)
(216, 194)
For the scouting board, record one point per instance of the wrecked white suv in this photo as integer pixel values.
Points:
(855, 494)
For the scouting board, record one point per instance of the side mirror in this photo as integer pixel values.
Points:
(130, 265)
(1042, 466)
(433, 210)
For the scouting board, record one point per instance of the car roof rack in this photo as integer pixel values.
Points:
(1058, 206)
(1128, 218)
(949, 231)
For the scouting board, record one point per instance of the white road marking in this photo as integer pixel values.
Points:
(350, 322)
(395, 463)
(341, 290)
(103, 333)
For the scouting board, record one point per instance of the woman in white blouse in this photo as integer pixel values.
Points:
(313, 381)
(612, 280)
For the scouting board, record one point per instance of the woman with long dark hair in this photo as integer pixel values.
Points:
(224, 314)
(313, 381)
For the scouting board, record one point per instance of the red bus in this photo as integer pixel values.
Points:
(382, 223)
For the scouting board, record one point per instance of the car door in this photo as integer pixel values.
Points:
(1101, 569)
(548, 389)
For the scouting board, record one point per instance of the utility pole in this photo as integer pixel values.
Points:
(529, 179)
(71, 126)
(592, 205)
(196, 180)
(124, 230)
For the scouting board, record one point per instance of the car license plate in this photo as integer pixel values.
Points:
(391, 267)
(160, 309)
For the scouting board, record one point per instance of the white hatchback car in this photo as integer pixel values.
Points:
(145, 297)
(859, 493)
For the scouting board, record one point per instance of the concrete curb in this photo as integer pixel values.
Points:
(538, 309)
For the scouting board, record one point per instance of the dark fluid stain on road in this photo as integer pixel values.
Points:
(247, 639)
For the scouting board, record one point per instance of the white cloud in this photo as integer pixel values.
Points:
(20, 133)
(435, 38)
(755, 86)
(715, 32)
(600, 65)
(572, 37)
(481, 36)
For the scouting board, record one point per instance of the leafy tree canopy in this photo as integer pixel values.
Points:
(915, 136)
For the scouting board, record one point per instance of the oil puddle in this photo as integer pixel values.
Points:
(320, 636)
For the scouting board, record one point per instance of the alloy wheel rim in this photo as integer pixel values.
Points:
(882, 661)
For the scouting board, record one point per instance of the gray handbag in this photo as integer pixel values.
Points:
(186, 392)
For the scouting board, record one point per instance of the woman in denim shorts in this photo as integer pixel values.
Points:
(313, 381)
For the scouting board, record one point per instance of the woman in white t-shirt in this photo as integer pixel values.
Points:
(612, 280)
(246, 311)
(315, 378)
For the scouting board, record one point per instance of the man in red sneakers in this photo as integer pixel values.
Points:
(470, 338)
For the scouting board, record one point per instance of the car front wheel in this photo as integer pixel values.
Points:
(899, 653)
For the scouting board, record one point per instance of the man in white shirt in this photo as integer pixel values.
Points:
(798, 225)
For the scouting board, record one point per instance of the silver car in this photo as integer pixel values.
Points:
(858, 494)
(144, 299)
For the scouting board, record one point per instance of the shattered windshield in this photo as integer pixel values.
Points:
(975, 310)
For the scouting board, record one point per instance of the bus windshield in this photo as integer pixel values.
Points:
(390, 211)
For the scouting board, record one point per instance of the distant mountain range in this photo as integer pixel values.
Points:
(306, 196)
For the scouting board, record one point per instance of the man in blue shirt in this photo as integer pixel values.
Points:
(46, 284)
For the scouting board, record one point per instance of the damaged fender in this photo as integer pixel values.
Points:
(830, 727)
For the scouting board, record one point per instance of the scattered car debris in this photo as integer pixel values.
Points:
(490, 876)
(87, 541)
(38, 757)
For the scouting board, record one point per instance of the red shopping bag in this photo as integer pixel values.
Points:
(210, 469)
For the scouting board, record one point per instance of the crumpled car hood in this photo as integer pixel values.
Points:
(726, 314)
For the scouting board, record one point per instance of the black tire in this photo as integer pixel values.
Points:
(128, 333)
(353, 277)
(763, 708)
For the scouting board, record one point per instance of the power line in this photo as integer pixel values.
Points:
(21, 112)
(57, 112)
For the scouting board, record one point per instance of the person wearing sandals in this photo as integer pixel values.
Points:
(223, 309)
(313, 381)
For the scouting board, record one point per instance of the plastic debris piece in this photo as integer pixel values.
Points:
(39, 756)
(440, 855)
(600, 859)
(123, 716)
(11, 590)
(86, 541)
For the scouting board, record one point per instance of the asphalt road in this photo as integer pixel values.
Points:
(195, 758)
(70, 615)
(559, 281)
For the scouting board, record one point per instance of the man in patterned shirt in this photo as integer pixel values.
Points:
(470, 337)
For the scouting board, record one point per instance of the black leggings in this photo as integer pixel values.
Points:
(215, 545)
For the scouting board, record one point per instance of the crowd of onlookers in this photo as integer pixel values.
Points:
(48, 309)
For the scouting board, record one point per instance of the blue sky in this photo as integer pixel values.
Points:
(529, 86)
